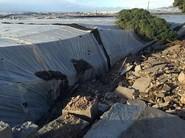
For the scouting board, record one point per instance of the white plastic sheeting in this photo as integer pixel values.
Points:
(27, 49)
(119, 44)
(24, 96)
(25, 101)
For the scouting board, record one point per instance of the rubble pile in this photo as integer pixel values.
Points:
(159, 78)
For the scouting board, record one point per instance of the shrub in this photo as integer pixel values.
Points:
(180, 4)
(145, 25)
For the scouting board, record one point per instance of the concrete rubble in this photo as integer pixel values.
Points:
(142, 84)
(161, 78)
(27, 129)
(5, 130)
(154, 123)
(115, 121)
(82, 106)
(125, 92)
(132, 121)
(66, 126)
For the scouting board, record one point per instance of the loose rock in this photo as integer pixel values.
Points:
(66, 126)
(115, 121)
(125, 92)
(83, 107)
(181, 78)
(142, 84)
(154, 123)
(26, 130)
(137, 70)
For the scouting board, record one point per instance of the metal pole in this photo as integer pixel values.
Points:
(148, 7)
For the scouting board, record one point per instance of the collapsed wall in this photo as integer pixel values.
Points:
(36, 60)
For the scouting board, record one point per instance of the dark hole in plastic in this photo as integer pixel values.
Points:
(25, 104)
(81, 66)
(50, 75)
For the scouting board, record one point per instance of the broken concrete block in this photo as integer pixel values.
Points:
(5, 130)
(115, 121)
(135, 120)
(83, 107)
(142, 84)
(66, 126)
(154, 123)
(125, 92)
(26, 130)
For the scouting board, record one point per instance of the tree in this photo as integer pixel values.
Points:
(145, 25)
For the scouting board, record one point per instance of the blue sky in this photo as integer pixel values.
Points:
(77, 5)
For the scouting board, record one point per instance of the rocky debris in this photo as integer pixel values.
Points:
(159, 77)
(125, 68)
(137, 70)
(136, 120)
(154, 123)
(5, 130)
(26, 130)
(142, 84)
(66, 126)
(126, 92)
(84, 107)
(181, 78)
(115, 121)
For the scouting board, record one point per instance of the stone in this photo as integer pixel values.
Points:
(168, 99)
(166, 88)
(136, 120)
(83, 107)
(5, 130)
(154, 123)
(160, 94)
(115, 121)
(27, 129)
(66, 126)
(125, 69)
(154, 69)
(125, 92)
(181, 78)
(182, 100)
(161, 105)
(137, 70)
(173, 48)
(142, 84)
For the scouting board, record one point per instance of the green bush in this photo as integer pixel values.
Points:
(145, 25)
(180, 4)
